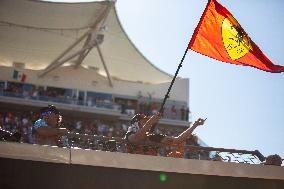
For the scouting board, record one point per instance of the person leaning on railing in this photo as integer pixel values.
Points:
(273, 160)
(46, 128)
(139, 135)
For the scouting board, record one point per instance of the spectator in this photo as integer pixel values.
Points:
(89, 101)
(148, 108)
(217, 157)
(34, 92)
(141, 107)
(154, 108)
(1, 120)
(78, 126)
(47, 127)
(182, 113)
(273, 160)
(187, 112)
(174, 112)
(144, 108)
(138, 135)
(192, 153)
(87, 129)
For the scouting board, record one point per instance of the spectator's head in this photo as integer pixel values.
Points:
(51, 115)
(139, 120)
(217, 158)
(273, 160)
(193, 140)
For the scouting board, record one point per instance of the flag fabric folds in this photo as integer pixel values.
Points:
(19, 76)
(219, 36)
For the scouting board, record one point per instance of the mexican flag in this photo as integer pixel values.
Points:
(19, 76)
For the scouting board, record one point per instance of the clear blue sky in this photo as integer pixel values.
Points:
(244, 106)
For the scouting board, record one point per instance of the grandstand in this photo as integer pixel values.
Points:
(89, 68)
(86, 63)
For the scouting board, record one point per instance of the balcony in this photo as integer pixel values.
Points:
(31, 165)
(104, 108)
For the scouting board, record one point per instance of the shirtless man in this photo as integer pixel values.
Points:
(47, 127)
(138, 134)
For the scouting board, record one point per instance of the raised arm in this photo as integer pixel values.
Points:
(140, 135)
(51, 132)
(184, 135)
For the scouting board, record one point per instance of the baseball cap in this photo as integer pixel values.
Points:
(49, 109)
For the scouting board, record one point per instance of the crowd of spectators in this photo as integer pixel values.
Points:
(22, 122)
(144, 105)
(19, 122)
(170, 112)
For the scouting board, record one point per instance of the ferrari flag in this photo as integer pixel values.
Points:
(219, 36)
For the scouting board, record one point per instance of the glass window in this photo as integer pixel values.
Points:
(128, 106)
(81, 98)
(99, 99)
(2, 86)
(58, 92)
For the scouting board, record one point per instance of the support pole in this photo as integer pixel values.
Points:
(82, 56)
(104, 64)
(93, 35)
(56, 62)
(59, 63)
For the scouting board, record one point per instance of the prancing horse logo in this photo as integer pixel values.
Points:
(235, 40)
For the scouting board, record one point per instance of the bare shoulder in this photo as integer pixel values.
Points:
(168, 140)
(136, 139)
(131, 138)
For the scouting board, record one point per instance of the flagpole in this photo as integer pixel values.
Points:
(173, 80)
(180, 64)
(170, 87)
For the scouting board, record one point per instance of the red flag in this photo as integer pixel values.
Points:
(23, 77)
(220, 36)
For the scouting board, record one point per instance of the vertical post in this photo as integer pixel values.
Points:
(104, 64)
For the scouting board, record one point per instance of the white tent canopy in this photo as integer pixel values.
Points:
(36, 33)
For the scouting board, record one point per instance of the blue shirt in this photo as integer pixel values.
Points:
(40, 123)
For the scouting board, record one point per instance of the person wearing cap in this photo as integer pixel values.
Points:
(47, 127)
(139, 134)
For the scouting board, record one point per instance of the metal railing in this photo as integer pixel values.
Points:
(59, 99)
(82, 103)
(116, 144)
(191, 152)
